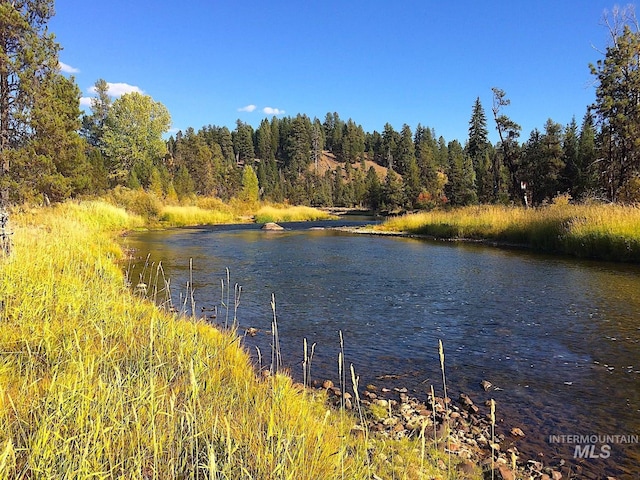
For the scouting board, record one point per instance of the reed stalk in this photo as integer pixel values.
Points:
(446, 403)
(493, 436)
(276, 358)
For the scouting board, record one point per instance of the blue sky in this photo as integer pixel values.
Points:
(212, 62)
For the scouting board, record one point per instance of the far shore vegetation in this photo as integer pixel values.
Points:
(599, 231)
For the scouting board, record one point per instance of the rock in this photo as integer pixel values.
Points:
(423, 411)
(516, 432)
(372, 388)
(486, 385)
(467, 467)
(398, 427)
(441, 432)
(252, 332)
(505, 472)
(382, 403)
(535, 466)
(390, 422)
(465, 400)
(555, 475)
(272, 226)
(327, 384)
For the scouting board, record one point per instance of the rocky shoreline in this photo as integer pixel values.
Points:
(392, 412)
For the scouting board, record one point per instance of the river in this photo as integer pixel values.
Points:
(557, 337)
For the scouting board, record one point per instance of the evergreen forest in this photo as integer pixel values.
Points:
(51, 150)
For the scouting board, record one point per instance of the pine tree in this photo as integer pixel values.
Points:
(28, 56)
(393, 191)
(263, 141)
(572, 174)
(55, 143)
(243, 142)
(460, 189)
(298, 147)
(373, 194)
(412, 184)
(405, 153)
(617, 105)
(93, 125)
(390, 139)
(509, 131)
(587, 155)
(478, 150)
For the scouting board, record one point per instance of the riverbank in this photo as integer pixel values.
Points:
(477, 434)
(195, 211)
(605, 232)
(96, 380)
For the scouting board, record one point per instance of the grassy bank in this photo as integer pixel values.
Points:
(196, 210)
(609, 232)
(290, 214)
(96, 382)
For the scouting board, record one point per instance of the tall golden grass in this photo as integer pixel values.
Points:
(197, 210)
(610, 232)
(96, 382)
(290, 214)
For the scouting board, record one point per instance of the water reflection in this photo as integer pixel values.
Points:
(558, 337)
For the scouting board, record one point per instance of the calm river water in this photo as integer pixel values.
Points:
(558, 338)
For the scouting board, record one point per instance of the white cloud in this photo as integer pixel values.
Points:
(272, 111)
(85, 101)
(248, 108)
(118, 89)
(67, 68)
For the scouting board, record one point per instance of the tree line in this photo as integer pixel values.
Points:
(50, 149)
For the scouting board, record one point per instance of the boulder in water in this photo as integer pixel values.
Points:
(272, 226)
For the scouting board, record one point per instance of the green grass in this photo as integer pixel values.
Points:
(96, 382)
(610, 232)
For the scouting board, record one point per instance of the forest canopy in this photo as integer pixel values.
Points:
(50, 150)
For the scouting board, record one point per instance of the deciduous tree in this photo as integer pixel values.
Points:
(133, 134)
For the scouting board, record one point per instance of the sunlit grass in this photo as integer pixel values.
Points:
(96, 382)
(598, 231)
(181, 216)
(290, 214)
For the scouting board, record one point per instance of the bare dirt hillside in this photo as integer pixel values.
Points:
(328, 162)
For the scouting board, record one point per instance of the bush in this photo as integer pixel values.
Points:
(630, 192)
(137, 201)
